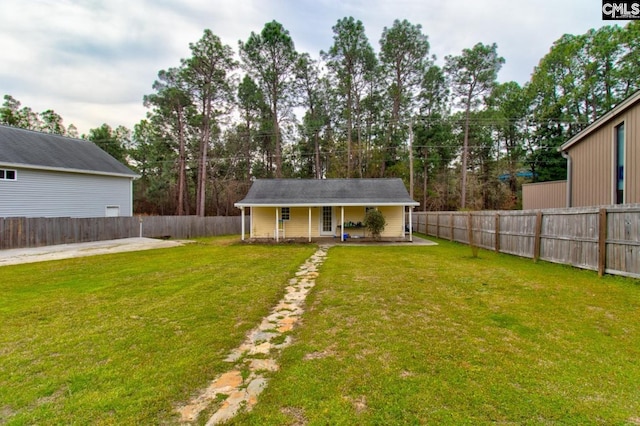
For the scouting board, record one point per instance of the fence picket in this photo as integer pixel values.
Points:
(603, 239)
(36, 232)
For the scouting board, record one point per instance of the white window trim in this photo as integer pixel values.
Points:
(282, 213)
(111, 206)
(614, 163)
(15, 175)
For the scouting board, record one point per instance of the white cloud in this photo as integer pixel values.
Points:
(92, 61)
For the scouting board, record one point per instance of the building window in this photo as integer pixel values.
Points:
(285, 213)
(327, 219)
(619, 163)
(7, 174)
(112, 211)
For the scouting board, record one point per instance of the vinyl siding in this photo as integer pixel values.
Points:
(264, 225)
(38, 193)
(263, 222)
(394, 216)
(544, 195)
(632, 166)
(298, 224)
(592, 156)
(593, 162)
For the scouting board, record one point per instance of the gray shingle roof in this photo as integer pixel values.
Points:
(325, 192)
(20, 147)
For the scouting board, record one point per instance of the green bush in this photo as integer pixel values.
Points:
(375, 222)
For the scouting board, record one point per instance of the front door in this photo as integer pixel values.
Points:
(326, 221)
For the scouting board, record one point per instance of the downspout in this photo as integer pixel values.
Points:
(567, 157)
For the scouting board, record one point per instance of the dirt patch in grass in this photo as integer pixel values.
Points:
(296, 414)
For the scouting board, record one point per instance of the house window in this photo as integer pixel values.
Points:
(112, 211)
(327, 219)
(7, 174)
(619, 163)
(285, 213)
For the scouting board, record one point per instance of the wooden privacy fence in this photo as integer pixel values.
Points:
(605, 239)
(21, 232)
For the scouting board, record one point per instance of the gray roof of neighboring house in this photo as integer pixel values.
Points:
(326, 192)
(37, 150)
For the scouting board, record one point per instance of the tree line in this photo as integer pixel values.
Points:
(458, 137)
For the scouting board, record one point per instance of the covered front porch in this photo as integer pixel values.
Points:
(325, 222)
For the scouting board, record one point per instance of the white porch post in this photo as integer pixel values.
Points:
(309, 224)
(411, 223)
(341, 223)
(404, 222)
(277, 226)
(251, 223)
(242, 215)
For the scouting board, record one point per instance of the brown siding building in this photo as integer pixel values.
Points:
(603, 162)
(544, 195)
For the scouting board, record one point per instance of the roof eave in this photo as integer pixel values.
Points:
(62, 169)
(332, 204)
(600, 121)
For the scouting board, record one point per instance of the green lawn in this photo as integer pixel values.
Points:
(431, 335)
(122, 339)
(392, 335)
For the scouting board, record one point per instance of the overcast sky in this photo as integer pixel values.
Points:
(92, 61)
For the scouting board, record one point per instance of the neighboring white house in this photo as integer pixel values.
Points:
(46, 175)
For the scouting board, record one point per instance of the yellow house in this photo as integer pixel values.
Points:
(307, 209)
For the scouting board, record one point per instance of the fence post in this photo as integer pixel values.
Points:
(437, 225)
(497, 227)
(536, 241)
(602, 242)
(451, 225)
(426, 223)
(472, 244)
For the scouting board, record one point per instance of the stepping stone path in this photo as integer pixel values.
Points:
(258, 353)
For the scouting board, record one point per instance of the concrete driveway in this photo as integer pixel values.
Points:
(66, 251)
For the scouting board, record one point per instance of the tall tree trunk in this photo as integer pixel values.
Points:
(202, 178)
(202, 165)
(248, 148)
(349, 126)
(276, 130)
(411, 160)
(182, 169)
(316, 148)
(425, 181)
(359, 147)
(465, 155)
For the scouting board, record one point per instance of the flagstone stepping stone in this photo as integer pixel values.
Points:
(263, 364)
(242, 393)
